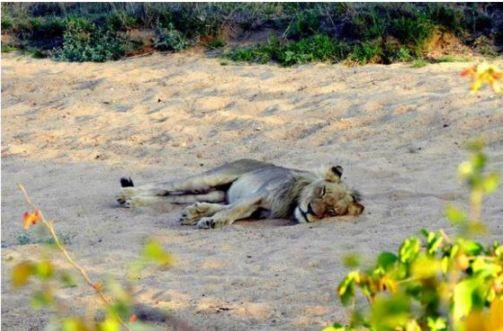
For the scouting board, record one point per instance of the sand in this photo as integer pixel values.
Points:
(70, 130)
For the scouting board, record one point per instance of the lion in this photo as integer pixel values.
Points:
(250, 189)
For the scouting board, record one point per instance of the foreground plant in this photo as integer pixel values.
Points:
(484, 73)
(435, 282)
(117, 300)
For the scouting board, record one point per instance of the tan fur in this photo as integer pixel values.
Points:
(246, 188)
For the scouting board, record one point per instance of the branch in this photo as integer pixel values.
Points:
(95, 286)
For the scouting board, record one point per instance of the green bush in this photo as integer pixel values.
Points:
(8, 48)
(6, 23)
(446, 16)
(83, 41)
(121, 21)
(413, 32)
(436, 283)
(304, 24)
(368, 24)
(366, 52)
(357, 31)
(169, 39)
(215, 43)
(258, 54)
(316, 48)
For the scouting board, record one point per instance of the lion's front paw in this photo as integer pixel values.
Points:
(193, 213)
(209, 223)
(206, 223)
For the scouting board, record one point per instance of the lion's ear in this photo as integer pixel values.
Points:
(355, 208)
(334, 174)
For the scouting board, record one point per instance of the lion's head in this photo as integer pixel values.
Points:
(327, 197)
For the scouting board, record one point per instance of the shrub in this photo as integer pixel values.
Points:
(258, 54)
(446, 16)
(6, 23)
(304, 24)
(8, 48)
(83, 41)
(121, 21)
(42, 25)
(368, 24)
(316, 48)
(366, 52)
(438, 282)
(403, 55)
(169, 39)
(215, 43)
(413, 32)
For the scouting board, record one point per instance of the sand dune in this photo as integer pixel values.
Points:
(70, 130)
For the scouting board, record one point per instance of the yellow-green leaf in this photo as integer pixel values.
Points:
(491, 182)
(463, 298)
(409, 249)
(44, 270)
(73, 324)
(437, 324)
(454, 215)
(109, 324)
(153, 251)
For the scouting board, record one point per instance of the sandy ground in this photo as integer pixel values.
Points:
(70, 130)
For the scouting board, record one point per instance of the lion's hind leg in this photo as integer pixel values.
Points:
(145, 199)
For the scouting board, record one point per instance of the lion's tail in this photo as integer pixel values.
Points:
(126, 182)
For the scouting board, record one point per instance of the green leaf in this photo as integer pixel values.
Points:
(110, 324)
(336, 327)
(454, 215)
(154, 252)
(490, 182)
(498, 249)
(351, 260)
(425, 266)
(73, 324)
(480, 265)
(386, 260)
(409, 249)
(120, 308)
(44, 270)
(465, 297)
(346, 289)
(390, 312)
(42, 299)
(437, 324)
(470, 247)
(433, 242)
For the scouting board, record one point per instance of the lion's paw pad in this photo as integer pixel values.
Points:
(206, 223)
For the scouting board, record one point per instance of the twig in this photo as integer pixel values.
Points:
(98, 289)
(445, 236)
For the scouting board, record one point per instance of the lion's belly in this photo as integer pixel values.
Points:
(267, 183)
